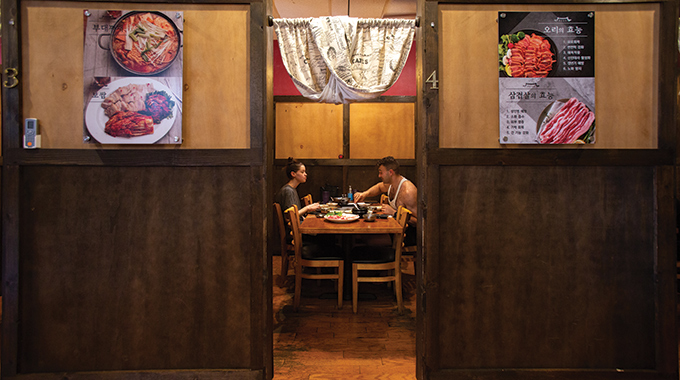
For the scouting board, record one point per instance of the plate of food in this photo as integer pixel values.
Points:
(144, 43)
(135, 110)
(526, 54)
(341, 218)
(566, 121)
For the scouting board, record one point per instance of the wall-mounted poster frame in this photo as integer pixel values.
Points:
(546, 84)
(132, 76)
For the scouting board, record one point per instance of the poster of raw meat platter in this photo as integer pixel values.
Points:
(132, 77)
(546, 67)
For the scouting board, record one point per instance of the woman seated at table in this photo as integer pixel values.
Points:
(288, 196)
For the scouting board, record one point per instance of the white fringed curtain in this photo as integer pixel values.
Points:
(342, 59)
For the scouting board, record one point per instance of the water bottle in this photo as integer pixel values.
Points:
(350, 194)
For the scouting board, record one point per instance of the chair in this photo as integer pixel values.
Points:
(307, 199)
(313, 256)
(379, 259)
(384, 199)
(408, 255)
(287, 250)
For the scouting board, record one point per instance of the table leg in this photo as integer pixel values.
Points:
(347, 277)
(347, 255)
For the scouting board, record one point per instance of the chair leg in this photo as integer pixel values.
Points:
(298, 286)
(397, 288)
(355, 288)
(284, 264)
(284, 268)
(341, 272)
(335, 270)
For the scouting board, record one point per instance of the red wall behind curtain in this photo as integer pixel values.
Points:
(405, 86)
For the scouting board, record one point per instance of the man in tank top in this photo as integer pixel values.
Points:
(400, 192)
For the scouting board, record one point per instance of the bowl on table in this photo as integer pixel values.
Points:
(341, 201)
(359, 210)
(370, 217)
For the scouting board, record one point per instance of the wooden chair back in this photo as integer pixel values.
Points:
(293, 220)
(384, 199)
(403, 215)
(286, 249)
(307, 199)
(278, 217)
(392, 267)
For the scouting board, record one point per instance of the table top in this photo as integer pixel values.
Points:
(317, 225)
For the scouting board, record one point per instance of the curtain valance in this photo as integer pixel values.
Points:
(341, 59)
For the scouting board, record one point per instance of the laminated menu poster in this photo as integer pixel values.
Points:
(132, 77)
(546, 85)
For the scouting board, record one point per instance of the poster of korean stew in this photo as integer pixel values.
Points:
(132, 71)
(546, 68)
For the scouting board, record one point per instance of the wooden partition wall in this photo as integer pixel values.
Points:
(542, 262)
(138, 262)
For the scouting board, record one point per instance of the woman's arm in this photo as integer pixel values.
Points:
(308, 208)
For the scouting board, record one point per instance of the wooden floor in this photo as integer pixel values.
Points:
(322, 342)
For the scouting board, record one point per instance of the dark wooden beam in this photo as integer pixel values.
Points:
(134, 157)
(666, 283)
(148, 375)
(503, 2)
(12, 126)
(668, 70)
(427, 276)
(10, 269)
(380, 99)
(541, 374)
(261, 50)
(343, 162)
(345, 131)
(545, 156)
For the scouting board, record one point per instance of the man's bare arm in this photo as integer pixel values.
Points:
(373, 191)
(408, 197)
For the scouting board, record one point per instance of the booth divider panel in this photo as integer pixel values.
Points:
(382, 129)
(546, 267)
(626, 74)
(309, 130)
(127, 268)
(216, 112)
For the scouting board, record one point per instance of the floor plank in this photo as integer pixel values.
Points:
(320, 341)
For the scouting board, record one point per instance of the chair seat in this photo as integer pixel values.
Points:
(320, 252)
(372, 255)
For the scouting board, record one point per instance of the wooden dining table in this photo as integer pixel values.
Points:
(313, 225)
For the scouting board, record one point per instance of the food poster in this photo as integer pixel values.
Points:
(132, 77)
(546, 66)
